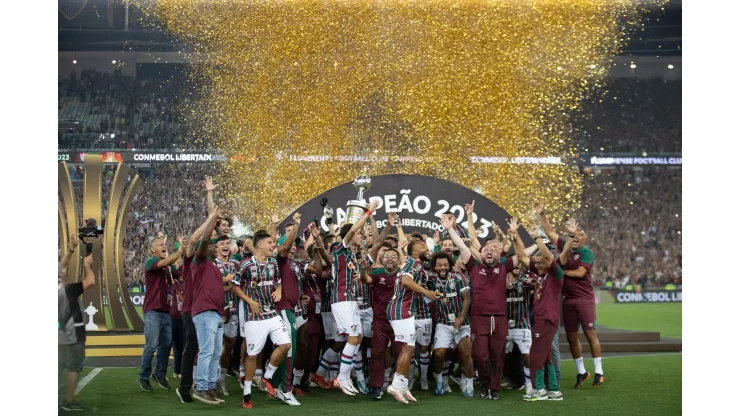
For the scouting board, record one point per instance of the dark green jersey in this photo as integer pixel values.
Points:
(258, 281)
(449, 305)
(518, 306)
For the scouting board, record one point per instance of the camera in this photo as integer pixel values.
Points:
(328, 211)
(90, 230)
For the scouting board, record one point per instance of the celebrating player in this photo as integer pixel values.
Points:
(579, 306)
(546, 312)
(453, 326)
(258, 286)
(401, 313)
(344, 297)
(489, 325)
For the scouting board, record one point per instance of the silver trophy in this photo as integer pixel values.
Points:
(356, 208)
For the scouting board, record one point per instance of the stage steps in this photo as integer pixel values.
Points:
(106, 344)
(616, 340)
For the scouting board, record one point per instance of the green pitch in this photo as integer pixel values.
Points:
(659, 317)
(634, 386)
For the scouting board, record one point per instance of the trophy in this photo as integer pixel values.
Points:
(357, 207)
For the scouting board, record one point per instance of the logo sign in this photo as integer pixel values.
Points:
(418, 200)
(649, 296)
(107, 248)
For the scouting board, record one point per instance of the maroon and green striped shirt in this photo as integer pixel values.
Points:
(230, 299)
(401, 305)
(258, 281)
(342, 274)
(299, 268)
(518, 305)
(449, 306)
(421, 308)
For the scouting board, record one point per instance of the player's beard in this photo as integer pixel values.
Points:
(488, 263)
(423, 257)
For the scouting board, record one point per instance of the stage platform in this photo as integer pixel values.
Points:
(116, 344)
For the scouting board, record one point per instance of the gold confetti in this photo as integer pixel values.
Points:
(442, 80)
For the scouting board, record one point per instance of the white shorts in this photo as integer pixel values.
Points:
(299, 321)
(230, 328)
(330, 327)
(423, 331)
(445, 337)
(366, 322)
(256, 333)
(405, 331)
(523, 339)
(347, 318)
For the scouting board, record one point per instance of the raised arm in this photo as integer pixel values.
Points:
(572, 227)
(474, 243)
(274, 221)
(209, 225)
(169, 260)
(360, 223)
(284, 249)
(514, 233)
(521, 255)
(70, 251)
(549, 229)
(197, 234)
(399, 229)
(365, 276)
(89, 274)
(373, 252)
(459, 243)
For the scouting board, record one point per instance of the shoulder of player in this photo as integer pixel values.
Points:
(378, 271)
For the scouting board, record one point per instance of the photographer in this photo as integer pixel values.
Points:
(71, 329)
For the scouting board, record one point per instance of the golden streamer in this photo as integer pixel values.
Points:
(446, 80)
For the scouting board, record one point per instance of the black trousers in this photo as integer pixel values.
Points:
(178, 339)
(189, 352)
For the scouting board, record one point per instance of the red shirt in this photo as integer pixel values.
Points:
(547, 294)
(208, 286)
(384, 284)
(187, 287)
(574, 287)
(289, 284)
(157, 280)
(488, 287)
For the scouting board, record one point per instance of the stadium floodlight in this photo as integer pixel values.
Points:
(74, 62)
(633, 66)
(113, 62)
(670, 66)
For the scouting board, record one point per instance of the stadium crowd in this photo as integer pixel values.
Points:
(633, 115)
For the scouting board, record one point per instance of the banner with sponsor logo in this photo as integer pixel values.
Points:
(646, 296)
(418, 200)
(137, 298)
(143, 157)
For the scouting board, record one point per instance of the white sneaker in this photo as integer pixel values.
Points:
(538, 395)
(412, 381)
(398, 394)
(555, 395)
(287, 398)
(347, 387)
(447, 388)
(424, 384)
(408, 396)
(529, 393)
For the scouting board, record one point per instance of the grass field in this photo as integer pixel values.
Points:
(660, 317)
(635, 385)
